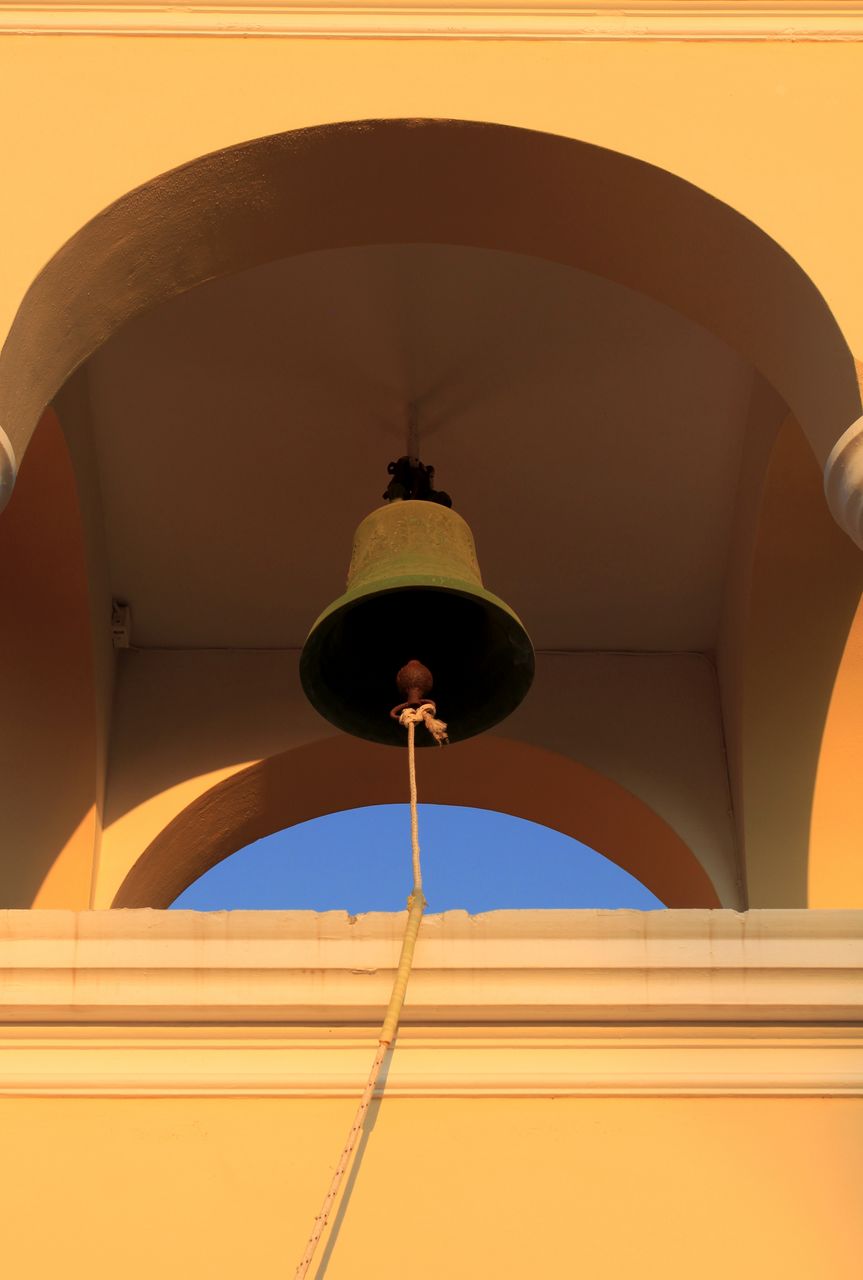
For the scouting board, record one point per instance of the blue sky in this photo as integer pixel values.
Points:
(359, 860)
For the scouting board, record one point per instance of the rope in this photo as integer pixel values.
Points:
(410, 718)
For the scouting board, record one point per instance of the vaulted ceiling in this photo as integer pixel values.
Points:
(591, 437)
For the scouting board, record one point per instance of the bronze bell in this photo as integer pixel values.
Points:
(414, 592)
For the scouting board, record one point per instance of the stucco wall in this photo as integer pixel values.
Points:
(499, 1187)
(607, 1093)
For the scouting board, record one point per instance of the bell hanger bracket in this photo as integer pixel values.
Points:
(412, 481)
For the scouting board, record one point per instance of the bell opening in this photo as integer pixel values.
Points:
(479, 655)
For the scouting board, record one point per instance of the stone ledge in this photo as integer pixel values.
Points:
(745, 20)
(514, 967)
(615, 1061)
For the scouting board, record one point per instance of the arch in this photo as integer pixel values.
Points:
(342, 773)
(439, 181)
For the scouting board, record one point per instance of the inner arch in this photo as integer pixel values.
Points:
(474, 860)
(486, 773)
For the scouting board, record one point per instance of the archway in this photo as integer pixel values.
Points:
(473, 860)
(401, 181)
(438, 182)
(487, 772)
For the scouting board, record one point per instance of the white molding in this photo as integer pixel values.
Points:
(843, 481)
(620, 1061)
(8, 468)
(514, 967)
(513, 1003)
(602, 20)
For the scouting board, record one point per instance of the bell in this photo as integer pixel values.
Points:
(415, 594)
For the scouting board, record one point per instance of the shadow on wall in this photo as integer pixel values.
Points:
(48, 722)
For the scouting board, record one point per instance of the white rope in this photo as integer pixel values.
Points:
(410, 717)
(344, 1158)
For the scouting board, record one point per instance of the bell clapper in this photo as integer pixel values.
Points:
(415, 684)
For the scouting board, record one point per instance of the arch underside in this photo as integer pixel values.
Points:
(438, 182)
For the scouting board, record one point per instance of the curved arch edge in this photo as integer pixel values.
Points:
(843, 482)
(341, 773)
(142, 240)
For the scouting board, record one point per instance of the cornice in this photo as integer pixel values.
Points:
(515, 967)
(603, 20)
(513, 1003)
(614, 1061)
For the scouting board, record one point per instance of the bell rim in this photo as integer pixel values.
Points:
(426, 582)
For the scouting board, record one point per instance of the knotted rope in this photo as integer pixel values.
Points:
(409, 717)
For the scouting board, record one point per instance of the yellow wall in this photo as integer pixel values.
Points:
(496, 1187)
(836, 843)
(598, 1093)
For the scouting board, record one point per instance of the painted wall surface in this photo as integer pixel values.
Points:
(835, 864)
(457, 1187)
(573, 1092)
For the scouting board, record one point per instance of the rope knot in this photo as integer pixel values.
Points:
(425, 714)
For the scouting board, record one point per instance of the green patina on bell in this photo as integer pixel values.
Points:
(414, 591)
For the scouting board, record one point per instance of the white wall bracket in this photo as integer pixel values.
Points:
(8, 468)
(843, 481)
